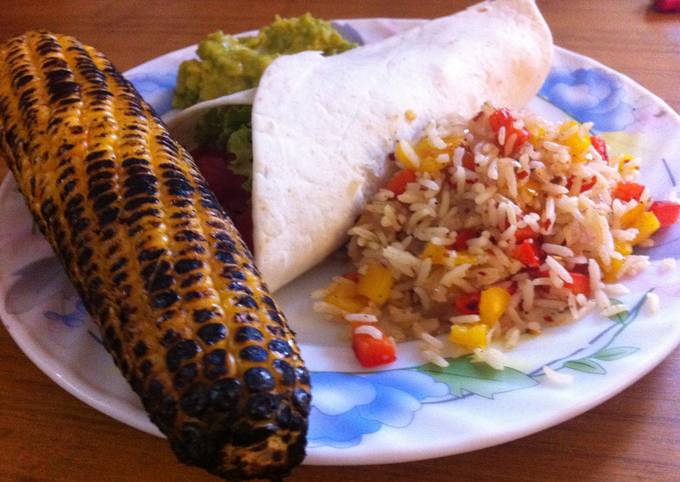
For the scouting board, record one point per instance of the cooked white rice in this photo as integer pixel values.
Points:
(475, 184)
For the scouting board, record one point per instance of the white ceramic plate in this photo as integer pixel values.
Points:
(405, 412)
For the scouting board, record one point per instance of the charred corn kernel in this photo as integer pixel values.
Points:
(345, 295)
(469, 336)
(406, 155)
(492, 304)
(646, 224)
(376, 284)
(632, 216)
(438, 254)
(157, 263)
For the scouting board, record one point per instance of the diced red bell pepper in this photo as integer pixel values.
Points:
(522, 135)
(627, 191)
(501, 118)
(464, 235)
(372, 352)
(585, 186)
(667, 212)
(580, 284)
(400, 180)
(600, 146)
(468, 304)
(353, 277)
(469, 160)
(527, 253)
(525, 233)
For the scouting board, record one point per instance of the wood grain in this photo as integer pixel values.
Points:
(48, 435)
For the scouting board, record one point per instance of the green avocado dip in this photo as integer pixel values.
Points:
(228, 64)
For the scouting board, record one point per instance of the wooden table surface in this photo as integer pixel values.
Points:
(46, 434)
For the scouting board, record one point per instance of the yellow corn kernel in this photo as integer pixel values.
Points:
(406, 159)
(469, 336)
(438, 254)
(345, 295)
(631, 216)
(492, 304)
(376, 284)
(646, 224)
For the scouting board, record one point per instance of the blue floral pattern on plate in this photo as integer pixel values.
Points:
(347, 406)
(589, 95)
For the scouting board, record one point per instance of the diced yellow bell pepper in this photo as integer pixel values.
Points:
(462, 257)
(345, 295)
(424, 149)
(536, 135)
(578, 145)
(428, 156)
(631, 216)
(529, 190)
(376, 284)
(646, 224)
(469, 336)
(623, 248)
(612, 272)
(430, 164)
(492, 304)
(452, 141)
(625, 159)
(402, 157)
(438, 254)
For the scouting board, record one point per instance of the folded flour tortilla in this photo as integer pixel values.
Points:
(324, 126)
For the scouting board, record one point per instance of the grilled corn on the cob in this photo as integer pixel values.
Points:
(156, 261)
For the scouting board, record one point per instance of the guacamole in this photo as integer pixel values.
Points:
(229, 64)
